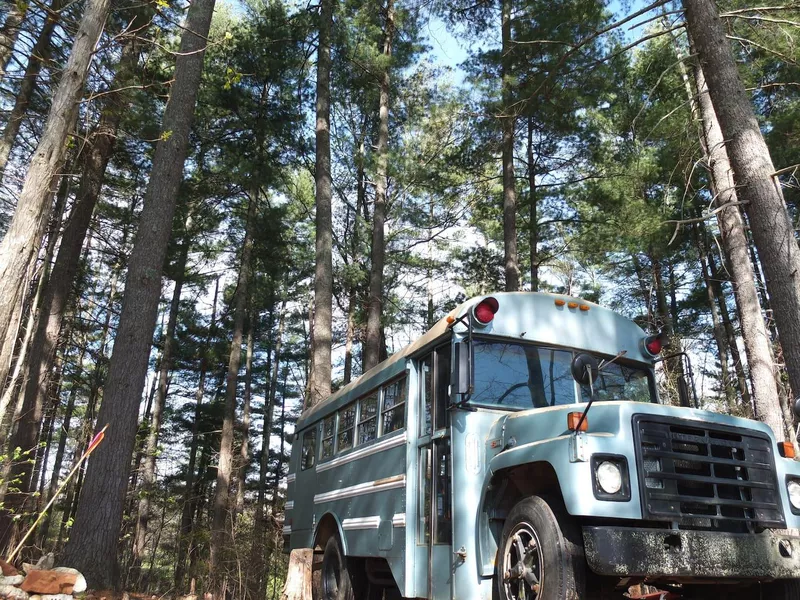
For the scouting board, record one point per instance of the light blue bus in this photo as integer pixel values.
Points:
(518, 450)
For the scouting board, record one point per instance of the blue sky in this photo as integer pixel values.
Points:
(449, 51)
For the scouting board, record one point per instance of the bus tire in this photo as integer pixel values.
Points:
(540, 553)
(338, 579)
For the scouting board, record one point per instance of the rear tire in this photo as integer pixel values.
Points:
(339, 578)
(540, 554)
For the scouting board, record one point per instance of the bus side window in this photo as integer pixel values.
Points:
(347, 423)
(368, 419)
(394, 406)
(309, 449)
(327, 437)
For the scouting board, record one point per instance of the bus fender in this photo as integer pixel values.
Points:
(329, 524)
(507, 482)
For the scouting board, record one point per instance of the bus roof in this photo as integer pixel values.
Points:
(597, 329)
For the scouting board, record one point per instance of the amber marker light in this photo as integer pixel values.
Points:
(450, 319)
(786, 449)
(585, 307)
(560, 302)
(573, 305)
(573, 419)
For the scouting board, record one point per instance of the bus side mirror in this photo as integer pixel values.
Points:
(459, 384)
(683, 392)
(796, 408)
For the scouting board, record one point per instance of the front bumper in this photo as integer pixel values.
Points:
(675, 554)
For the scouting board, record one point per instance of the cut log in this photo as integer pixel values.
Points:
(298, 578)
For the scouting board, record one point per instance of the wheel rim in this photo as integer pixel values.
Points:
(523, 568)
(331, 576)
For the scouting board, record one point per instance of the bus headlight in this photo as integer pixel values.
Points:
(610, 480)
(793, 489)
(609, 477)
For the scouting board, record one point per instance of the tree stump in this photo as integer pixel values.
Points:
(298, 578)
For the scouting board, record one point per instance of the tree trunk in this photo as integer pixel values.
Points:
(260, 520)
(39, 55)
(9, 33)
(92, 545)
(187, 501)
(533, 226)
(151, 450)
(756, 339)
(730, 331)
(509, 185)
(58, 289)
(717, 327)
(372, 343)
(756, 187)
(220, 527)
(21, 243)
(320, 380)
(244, 450)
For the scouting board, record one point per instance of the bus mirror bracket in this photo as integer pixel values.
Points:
(462, 380)
(461, 369)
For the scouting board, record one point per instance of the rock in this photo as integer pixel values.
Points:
(80, 581)
(54, 597)
(7, 568)
(46, 562)
(11, 579)
(49, 582)
(12, 593)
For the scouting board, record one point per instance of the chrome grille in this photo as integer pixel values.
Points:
(706, 476)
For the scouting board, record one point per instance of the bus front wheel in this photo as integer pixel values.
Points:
(540, 555)
(337, 580)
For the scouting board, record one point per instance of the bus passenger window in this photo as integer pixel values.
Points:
(368, 419)
(347, 422)
(442, 506)
(394, 406)
(327, 437)
(426, 394)
(309, 449)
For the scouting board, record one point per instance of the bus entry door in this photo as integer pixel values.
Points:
(435, 506)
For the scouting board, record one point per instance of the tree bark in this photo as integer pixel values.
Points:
(187, 503)
(754, 332)
(756, 186)
(92, 545)
(260, 519)
(10, 32)
(58, 289)
(716, 326)
(24, 236)
(151, 450)
(320, 380)
(533, 226)
(244, 450)
(39, 55)
(372, 342)
(511, 260)
(220, 526)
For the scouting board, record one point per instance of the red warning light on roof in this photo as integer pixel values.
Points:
(485, 310)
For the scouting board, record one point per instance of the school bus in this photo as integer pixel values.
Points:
(518, 450)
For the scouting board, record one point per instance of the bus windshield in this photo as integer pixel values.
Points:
(519, 376)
